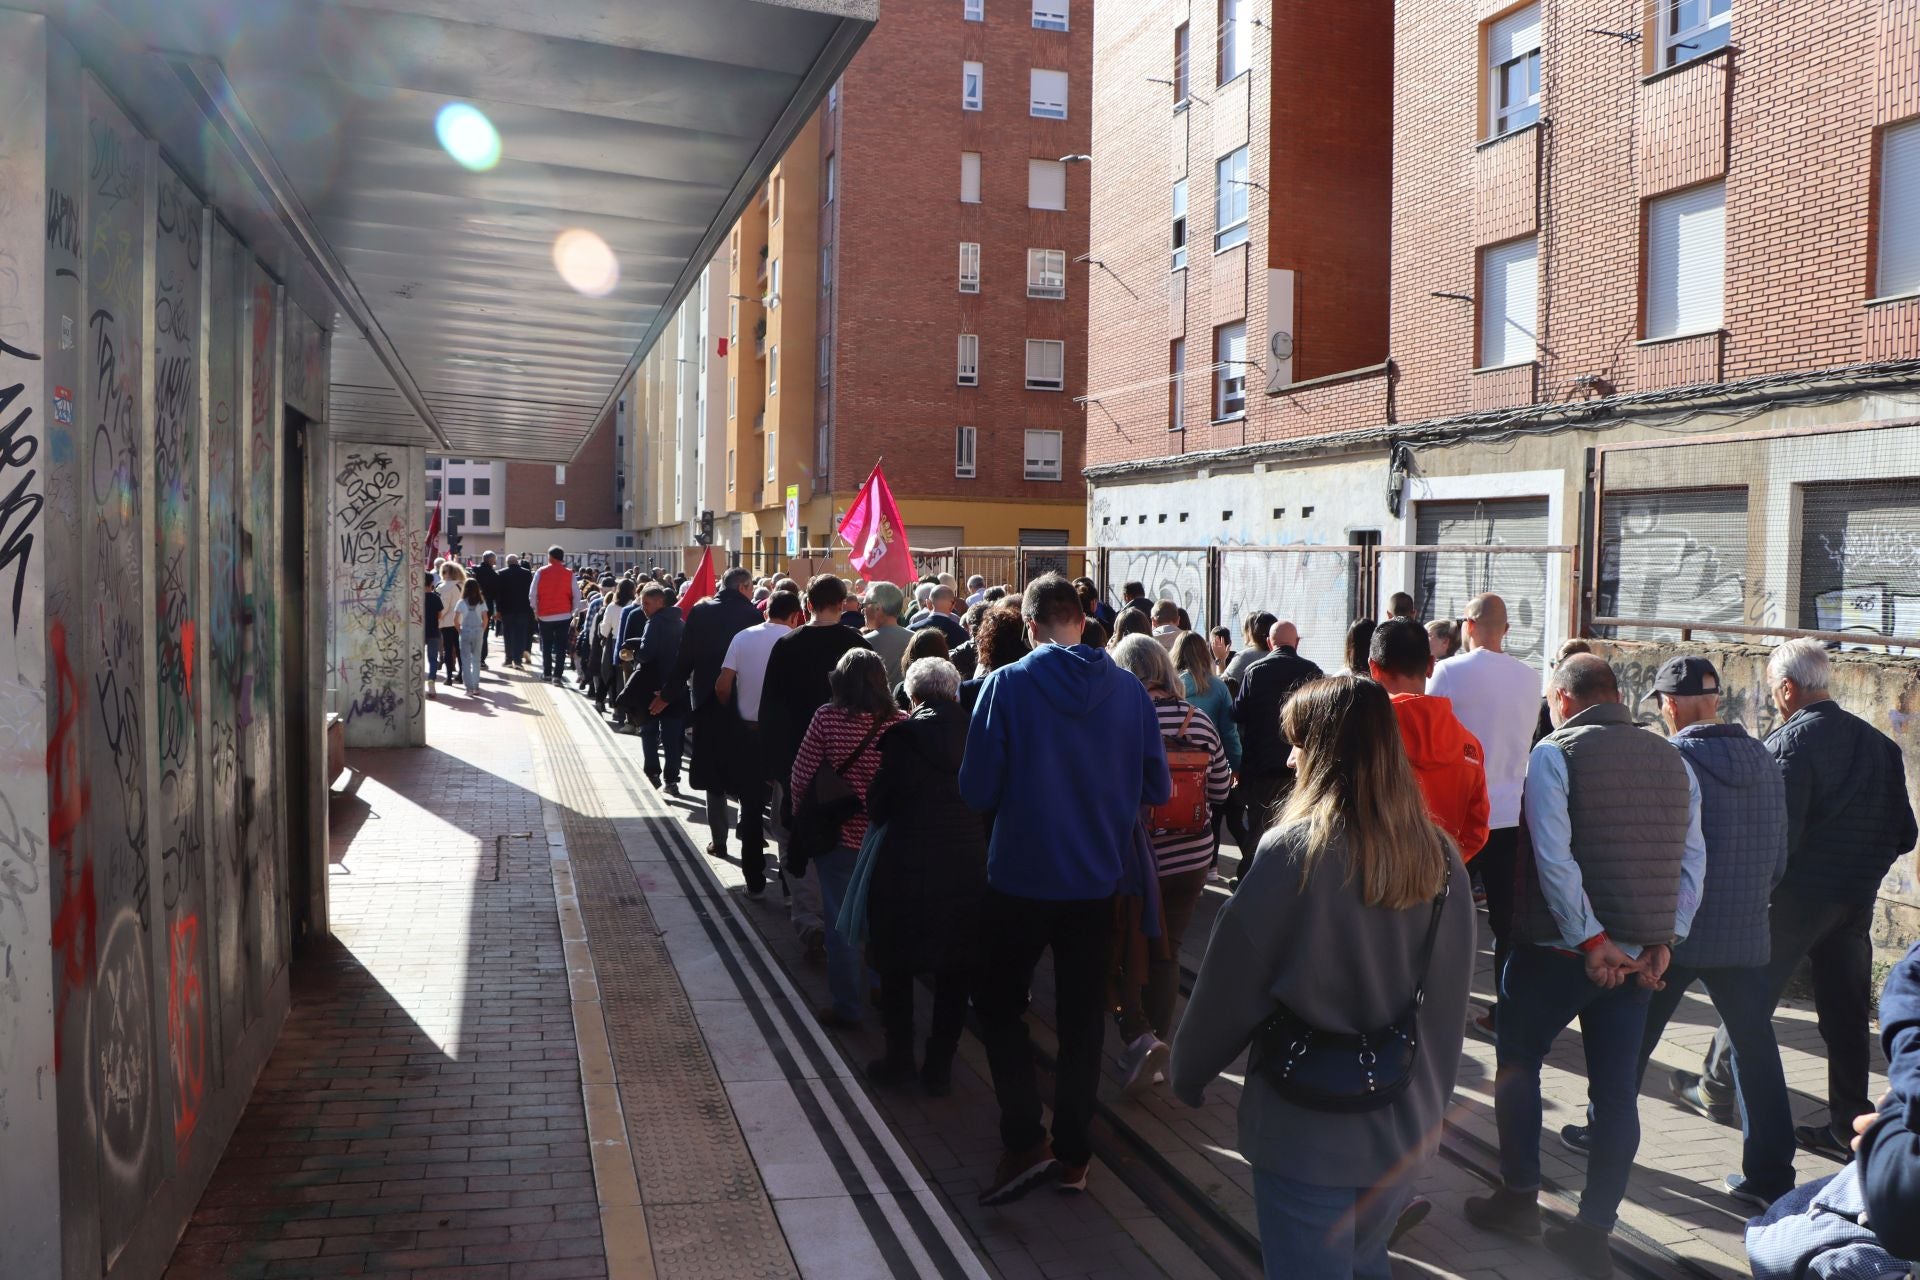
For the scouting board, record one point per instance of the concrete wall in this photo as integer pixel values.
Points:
(144, 860)
(377, 519)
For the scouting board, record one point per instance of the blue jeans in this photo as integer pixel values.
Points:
(656, 731)
(835, 870)
(470, 658)
(433, 654)
(1542, 990)
(553, 647)
(1309, 1232)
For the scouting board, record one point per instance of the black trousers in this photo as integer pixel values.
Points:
(1017, 930)
(747, 779)
(949, 1014)
(1495, 863)
(1835, 938)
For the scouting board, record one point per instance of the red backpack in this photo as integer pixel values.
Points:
(1186, 811)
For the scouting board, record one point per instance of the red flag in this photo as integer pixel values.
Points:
(699, 586)
(433, 536)
(878, 535)
(723, 347)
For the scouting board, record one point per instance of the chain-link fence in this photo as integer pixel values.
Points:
(1181, 574)
(1319, 589)
(1813, 532)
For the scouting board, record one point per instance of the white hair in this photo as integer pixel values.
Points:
(923, 593)
(1804, 662)
(929, 679)
(1147, 660)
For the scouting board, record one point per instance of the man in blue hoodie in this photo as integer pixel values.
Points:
(1063, 749)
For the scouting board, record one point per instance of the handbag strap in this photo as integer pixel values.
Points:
(878, 725)
(1433, 930)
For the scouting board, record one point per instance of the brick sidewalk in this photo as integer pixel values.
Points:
(421, 1115)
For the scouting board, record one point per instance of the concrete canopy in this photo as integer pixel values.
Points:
(630, 135)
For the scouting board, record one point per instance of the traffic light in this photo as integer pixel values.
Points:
(706, 529)
(453, 542)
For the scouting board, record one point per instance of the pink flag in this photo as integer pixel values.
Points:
(877, 534)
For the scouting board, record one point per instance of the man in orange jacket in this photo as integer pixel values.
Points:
(1446, 757)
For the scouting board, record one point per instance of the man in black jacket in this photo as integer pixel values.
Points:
(1265, 778)
(659, 650)
(489, 579)
(711, 627)
(1848, 819)
(512, 589)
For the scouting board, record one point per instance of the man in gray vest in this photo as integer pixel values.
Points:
(1743, 815)
(1611, 864)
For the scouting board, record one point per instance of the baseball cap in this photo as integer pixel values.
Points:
(1686, 677)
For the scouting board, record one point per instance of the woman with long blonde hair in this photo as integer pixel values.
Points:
(1344, 960)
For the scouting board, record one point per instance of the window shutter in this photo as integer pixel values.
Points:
(970, 177)
(1516, 34)
(1678, 554)
(1686, 261)
(1046, 184)
(1445, 583)
(1047, 94)
(1899, 247)
(1509, 292)
(1857, 567)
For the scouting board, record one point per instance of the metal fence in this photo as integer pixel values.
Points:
(1535, 581)
(1319, 589)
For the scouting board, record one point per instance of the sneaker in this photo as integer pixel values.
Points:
(1746, 1193)
(1146, 1055)
(1582, 1247)
(1819, 1139)
(1070, 1177)
(1214, 877)
(1510, 1213)
(673, 786)
(755, 895)
(1482, 1026)
(1576, 1138)
(1018, 1173)
(1688, 1090)
(1410, 1217)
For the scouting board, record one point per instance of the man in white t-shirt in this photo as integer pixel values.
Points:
(1497, 697)
(742, 678)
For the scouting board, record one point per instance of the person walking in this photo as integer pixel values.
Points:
(1063, 749)
(928, 642)
(1133, 595)
(1848, 819)
(513, 592)
(1743, 819)
(488, 577)
(470, 618)
(882, 610)
(1497, 697)
(607, 633)
(555, 598)
(929, 877)
(1001, 641)
(939, 613)
(711, 626)
(664, 728)
(452, 587)
(1255, 629)
(844, 736)
(1612, 884)
(1265, 777)
(1195, 661)
(742, 677)
(432, 608)
(1446, 759)
(1182, 854)
(1354, 919)
(1220, 649)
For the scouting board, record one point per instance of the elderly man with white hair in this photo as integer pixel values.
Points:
(1848, 819)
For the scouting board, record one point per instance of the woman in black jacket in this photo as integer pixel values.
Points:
(929, 876)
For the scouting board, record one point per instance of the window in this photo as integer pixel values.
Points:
(1230, 371)
(1509, 294)
(733, 325)
(433, 464)
(970, 177)
(826, 268)
(830, 179)
(1513, 70)
(560, 475)
(1693, 28)
(433, 489)
(733, 396)
(1180, 224)
(973, 11)
(1898, 250)
(1046, 184)
(1177, 386)
(773, 283)
(1043, 455)
(970, 86)
(1230, 200)
(826, 358)
(1182, 58)
(1046, 364)
(833, 95)
(967, 370)
(773, 369)
(1233, 40)
(482, 486)
(1046, 273)
(773, 456)
(483, 516)
(456, 462)
(457, 517)
(1047, 94)
(964, 440)
(1050, 15)
(969, 267)
(457, 485)
(1686, 261)
(730, 470)
(560, 511)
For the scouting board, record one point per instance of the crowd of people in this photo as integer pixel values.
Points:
(961, 780)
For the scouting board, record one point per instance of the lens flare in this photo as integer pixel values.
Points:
(468, 136)
(585, 262)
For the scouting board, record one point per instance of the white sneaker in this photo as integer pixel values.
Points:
(1144, 1057)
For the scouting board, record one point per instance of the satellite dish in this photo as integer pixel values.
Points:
(1281, 345)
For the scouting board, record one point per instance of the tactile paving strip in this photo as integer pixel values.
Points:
(707, 1211)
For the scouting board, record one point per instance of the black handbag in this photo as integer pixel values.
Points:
(829, 801)
(1342, 1071)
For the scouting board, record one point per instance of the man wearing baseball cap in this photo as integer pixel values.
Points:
(1743, 817)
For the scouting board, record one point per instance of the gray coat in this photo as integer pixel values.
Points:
(1743, 816)
(1343, 966)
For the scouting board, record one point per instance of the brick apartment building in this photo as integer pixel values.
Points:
(471, 496)
(910, 287)
(573, 506)
(1654, 299)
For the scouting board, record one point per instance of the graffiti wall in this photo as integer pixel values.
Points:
(143, 943)
(378, 592)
